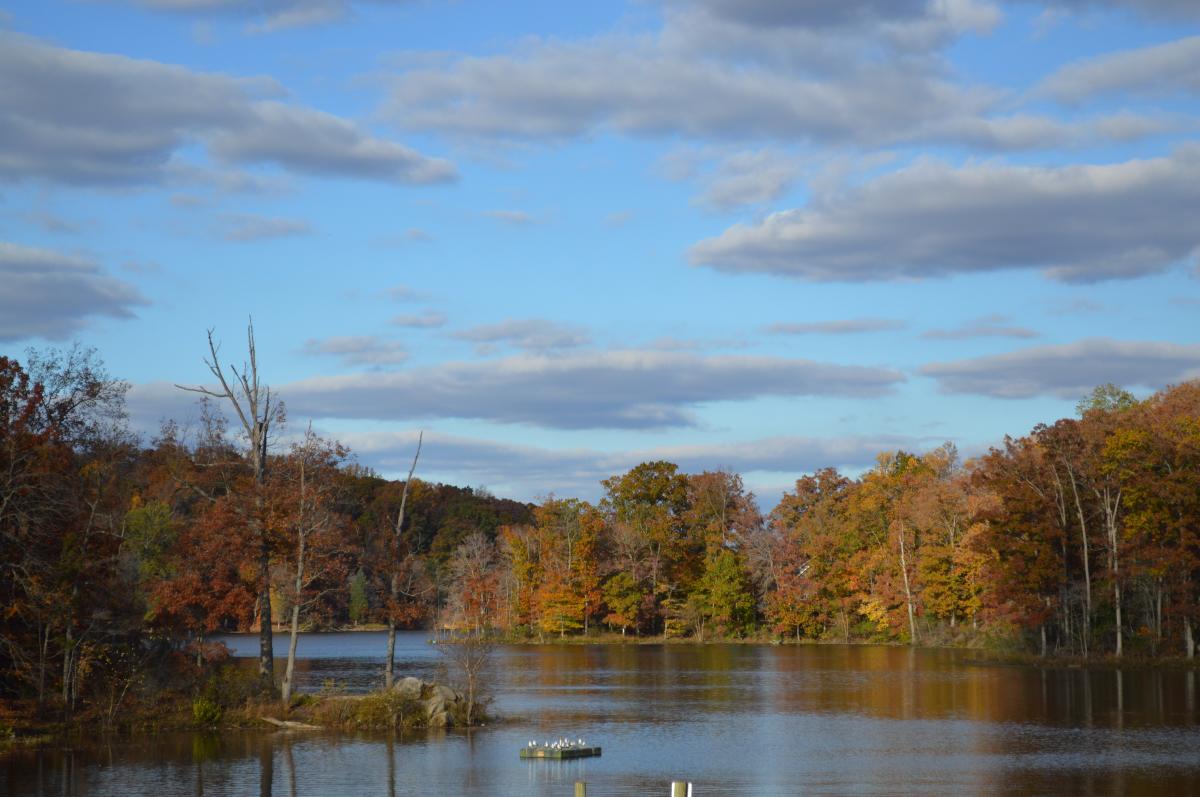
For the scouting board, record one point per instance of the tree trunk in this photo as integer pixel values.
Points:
(291, 658)
(1112, 505)
(1188, 642)
(68, 662)
(302, 530)
(266, 641)
(388, 671)
(1158, 606)
(43, 655)
(1083, 540)
(912, 620)
(1117, 606)
(389, 667)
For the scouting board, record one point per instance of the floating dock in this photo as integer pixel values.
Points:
(559, 753)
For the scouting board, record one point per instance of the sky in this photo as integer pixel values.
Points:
(560, 239)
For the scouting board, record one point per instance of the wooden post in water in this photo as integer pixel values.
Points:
(580, 789)
(680, 788)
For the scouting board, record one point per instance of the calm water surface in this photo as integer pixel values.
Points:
(733, 719)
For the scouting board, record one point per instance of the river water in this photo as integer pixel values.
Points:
(732, 719)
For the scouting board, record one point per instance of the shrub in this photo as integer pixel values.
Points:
(232, 686)
(205, 711)
(388, 709)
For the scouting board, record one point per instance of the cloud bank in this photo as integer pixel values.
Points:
(1070, 370)
(47, 294)
(85, 118)
(1076, 224)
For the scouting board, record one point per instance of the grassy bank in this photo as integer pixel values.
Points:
(231, 700)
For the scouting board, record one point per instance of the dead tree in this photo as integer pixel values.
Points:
(256, 409)
(394, 589)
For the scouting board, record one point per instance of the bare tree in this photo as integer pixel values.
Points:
(468, 657)
(257, 410)
(312, 465)
(397, 566)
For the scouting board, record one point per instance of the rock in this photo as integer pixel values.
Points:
(409, 687)
(447, 694)
(434, 705)
(439, 720)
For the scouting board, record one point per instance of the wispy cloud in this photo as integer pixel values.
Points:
(848, 326)
(517, 218)
(1158, 69)
(533, 334)
(243, 228)
(426, 320)
(1069, 370)
(988, 326)
(359, 350)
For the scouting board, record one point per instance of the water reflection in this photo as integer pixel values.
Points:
(734, 719)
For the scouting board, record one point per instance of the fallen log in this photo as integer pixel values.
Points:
(291, 725)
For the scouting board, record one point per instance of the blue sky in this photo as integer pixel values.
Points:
(562, 238)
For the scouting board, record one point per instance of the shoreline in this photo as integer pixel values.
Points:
(984, 653)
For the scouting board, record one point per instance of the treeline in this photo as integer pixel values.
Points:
(119, 560)
(1080, 538)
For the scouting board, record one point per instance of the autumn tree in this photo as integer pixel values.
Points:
(648, 504)
(303, 503)
(257, 410)
(808, 557)
(474, 582)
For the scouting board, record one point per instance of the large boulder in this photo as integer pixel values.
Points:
(435, 711)
(447, 694)
(441, 704)
(410, 687)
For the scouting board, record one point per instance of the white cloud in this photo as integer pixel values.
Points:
(1070, 370)
(48, 294)
(531, 471)
(619, 389)
(862, 72)
(78, 117)
(1160, 69)
(312, 142)
(1078, 223)
(752, 177)
(1161, 9)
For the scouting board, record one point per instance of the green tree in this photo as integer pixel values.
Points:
(623, 596)
(727, 596)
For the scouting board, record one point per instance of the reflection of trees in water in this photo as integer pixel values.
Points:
(1044, 730)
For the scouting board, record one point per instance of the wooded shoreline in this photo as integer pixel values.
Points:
(120, 559)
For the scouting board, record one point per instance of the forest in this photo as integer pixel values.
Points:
(121, 558)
